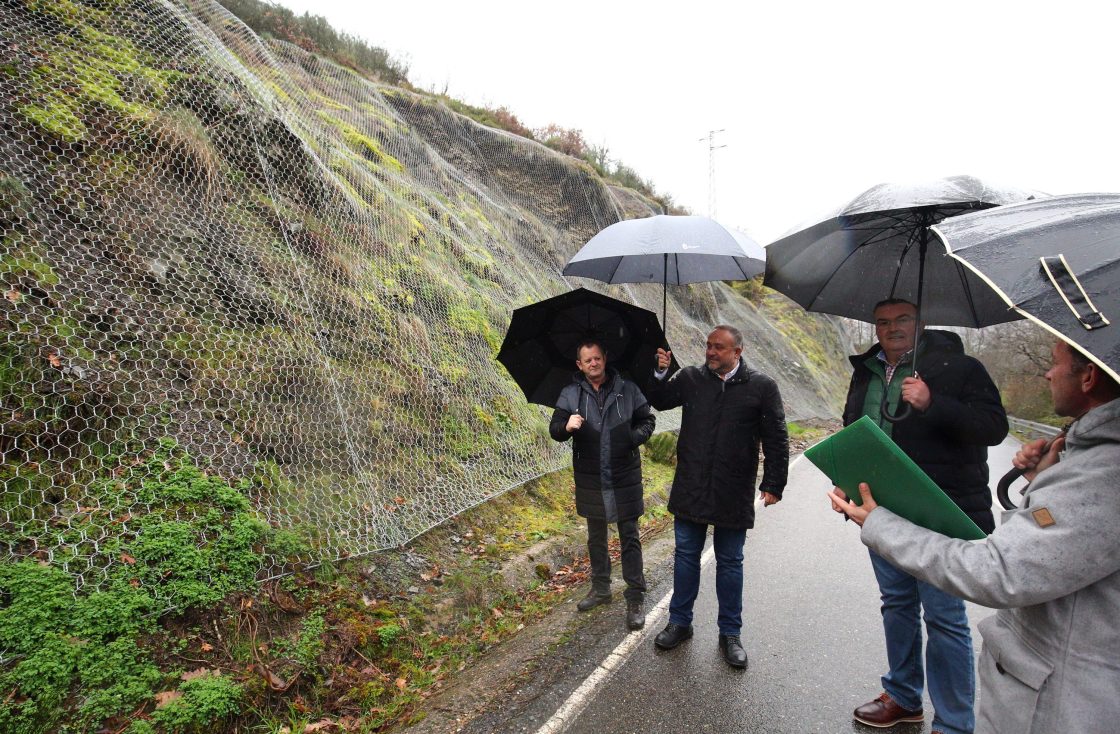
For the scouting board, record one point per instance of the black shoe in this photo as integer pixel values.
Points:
(672, 635)
(593, 599)
(733, 651)
(635, 617)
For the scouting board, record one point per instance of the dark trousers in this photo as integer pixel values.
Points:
(632, 572)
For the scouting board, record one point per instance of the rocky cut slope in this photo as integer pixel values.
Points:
(296, 275)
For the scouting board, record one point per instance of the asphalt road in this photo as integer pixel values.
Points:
(811, 628)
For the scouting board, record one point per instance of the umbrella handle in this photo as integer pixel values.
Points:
(903, 414)
(1002, 489)
(1005, 483)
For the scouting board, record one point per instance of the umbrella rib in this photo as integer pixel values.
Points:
(968, 295)
(820, 290)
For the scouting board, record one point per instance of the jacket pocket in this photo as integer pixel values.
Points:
(1012, 676)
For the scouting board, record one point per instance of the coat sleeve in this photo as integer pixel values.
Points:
(1024, 562)
(666, 394)
(642, 420)
(557, 427)
(853, 402)
(775, 441)
(975, 414)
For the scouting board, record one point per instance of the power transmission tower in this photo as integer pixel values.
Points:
(712, 148)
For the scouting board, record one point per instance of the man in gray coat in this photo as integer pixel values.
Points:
(1051, 657)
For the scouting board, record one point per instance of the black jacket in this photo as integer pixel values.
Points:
(605, 458)
(949, 440)
(722, 424)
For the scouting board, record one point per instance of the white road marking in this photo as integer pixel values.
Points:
(581, 696)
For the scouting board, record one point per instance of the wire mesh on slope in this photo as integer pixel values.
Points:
(296, 276)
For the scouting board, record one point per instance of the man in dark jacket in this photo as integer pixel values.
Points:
(956, 415)
(608, 418)
(728, 410)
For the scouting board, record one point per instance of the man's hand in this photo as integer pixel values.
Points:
(916, 392)
(663, 359)
(1031, 460)
(857, 513)
(770, 499)
(575, 421)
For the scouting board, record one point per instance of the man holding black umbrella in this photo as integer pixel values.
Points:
(1052, 568)
(608, 418)
(956, 415)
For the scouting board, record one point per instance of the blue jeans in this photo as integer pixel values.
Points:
(949, 664)
(728, 546)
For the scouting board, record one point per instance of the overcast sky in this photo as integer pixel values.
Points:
(817, 101)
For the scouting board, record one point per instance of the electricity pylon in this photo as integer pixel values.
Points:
(712, 148)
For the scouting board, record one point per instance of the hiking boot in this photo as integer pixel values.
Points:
(635, 617)
(593, 599)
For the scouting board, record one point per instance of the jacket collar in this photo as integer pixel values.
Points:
(1099, 425)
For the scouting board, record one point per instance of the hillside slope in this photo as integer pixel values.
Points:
(298, 277)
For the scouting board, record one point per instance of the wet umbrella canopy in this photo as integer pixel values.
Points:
(539, 350)
(1055, 261)
(667, 249)
(876, 247)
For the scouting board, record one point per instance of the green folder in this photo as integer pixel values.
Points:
(861, 452)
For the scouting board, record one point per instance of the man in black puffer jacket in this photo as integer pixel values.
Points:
(608, 418)
(956, 414)
(728, 410)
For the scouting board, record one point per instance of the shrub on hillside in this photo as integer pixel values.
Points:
(313, 33)
(662, 448)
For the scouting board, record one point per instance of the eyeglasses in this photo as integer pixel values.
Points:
(904, 320)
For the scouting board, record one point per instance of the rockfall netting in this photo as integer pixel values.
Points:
(231, 249)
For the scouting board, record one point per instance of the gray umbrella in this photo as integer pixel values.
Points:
(875, 247)
(1056, 261)
(668, 249)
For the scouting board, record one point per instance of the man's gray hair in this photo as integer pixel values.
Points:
(736, 335)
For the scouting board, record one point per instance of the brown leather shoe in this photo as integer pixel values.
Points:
(884, 712)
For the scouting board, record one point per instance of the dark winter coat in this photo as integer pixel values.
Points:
(605, 458)
(722, 425)
(949, 440)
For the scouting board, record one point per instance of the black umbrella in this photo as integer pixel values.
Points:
(539, 350)
(1056, 261)
(875, 247)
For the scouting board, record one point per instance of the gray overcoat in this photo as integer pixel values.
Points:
(1051, 656)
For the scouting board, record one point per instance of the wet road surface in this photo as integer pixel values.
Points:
(812, 631)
